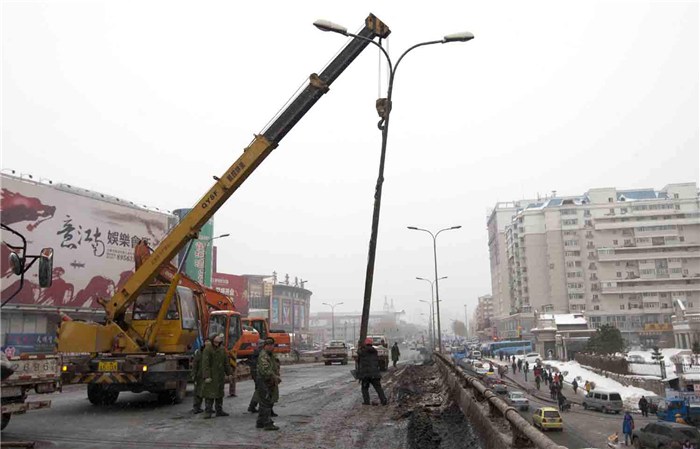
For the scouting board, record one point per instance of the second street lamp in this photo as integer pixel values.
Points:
(206, 246)
(383, 106)
(437, 291)
(432, 307)
(332, 306)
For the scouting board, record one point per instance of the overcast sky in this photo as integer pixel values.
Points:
(147, 100)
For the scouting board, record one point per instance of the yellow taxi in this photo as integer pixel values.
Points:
(547, 418)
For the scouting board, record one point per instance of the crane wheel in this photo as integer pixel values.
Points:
(175, 396)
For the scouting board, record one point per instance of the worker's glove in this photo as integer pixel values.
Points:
(207, 380)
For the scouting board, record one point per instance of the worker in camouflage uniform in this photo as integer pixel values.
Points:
(215, 368)
(233, 360)
(267, 385)
(253, 365)
(198, 379)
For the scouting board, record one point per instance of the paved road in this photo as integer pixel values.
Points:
(582, 428)
(319, 407)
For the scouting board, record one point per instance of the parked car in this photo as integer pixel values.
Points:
(533, 358)
(662, 434)
(518, 400)
(605, 401)
(547, 418)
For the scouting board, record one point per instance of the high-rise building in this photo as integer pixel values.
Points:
(624, 257)
(483, 316)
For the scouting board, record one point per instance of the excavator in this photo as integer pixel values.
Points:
(282, 340)
(145, 342)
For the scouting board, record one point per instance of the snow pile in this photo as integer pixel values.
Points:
(670, 354)
(572, 370)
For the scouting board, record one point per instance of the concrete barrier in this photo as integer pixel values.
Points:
(468, 391)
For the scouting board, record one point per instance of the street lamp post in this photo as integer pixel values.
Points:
(332, 306)
(437, 291)
(383, 106)
(466, 321)
(431, 324)
(432, 307)
(204, 271)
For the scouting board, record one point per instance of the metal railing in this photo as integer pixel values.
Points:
(524, 434)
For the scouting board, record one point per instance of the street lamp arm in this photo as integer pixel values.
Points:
(446, 229)
(422, 44)
(378, 45)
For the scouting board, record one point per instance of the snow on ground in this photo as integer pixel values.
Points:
(572, 370)
(654, 370)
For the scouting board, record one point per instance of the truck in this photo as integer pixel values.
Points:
(380, 344)
(335, 352)
(668, 409)
(146, 340)
(22, 374)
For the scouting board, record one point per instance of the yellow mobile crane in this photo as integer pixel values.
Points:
(146, 341)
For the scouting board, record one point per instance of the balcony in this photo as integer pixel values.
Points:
(649, 252)
(636, 224)
(658, 288)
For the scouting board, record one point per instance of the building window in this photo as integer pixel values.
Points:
(596, 307)
(622, 307)
(614, 242)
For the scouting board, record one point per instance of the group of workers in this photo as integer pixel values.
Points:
(213, 368)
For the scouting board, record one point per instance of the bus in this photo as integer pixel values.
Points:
(510, 347)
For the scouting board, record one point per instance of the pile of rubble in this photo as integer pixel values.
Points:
(434, 420)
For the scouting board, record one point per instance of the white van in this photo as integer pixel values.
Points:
(605, 401)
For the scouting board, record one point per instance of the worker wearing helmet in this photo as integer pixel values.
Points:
(368, 371)
(679, 419)
(215, 368)
(268, 380)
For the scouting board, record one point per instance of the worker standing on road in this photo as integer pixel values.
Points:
(215, 368)
(253, 365)
(198, 378)
(679, 419)
(267, 385)
(368, 372)
(627, 427)
(232, 378)
(574, 385)
(395, 353)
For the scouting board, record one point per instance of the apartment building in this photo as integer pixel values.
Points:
(483, 317)
(624, 257)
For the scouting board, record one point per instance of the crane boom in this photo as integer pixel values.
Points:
(238, 172)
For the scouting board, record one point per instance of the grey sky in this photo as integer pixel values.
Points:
(147, 100)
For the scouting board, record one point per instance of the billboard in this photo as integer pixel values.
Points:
(93, 237)
(234, 287)
(198, 265)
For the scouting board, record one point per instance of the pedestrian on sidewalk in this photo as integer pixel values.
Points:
(627, 427)
(527, 370)
(501, 371)
(520, 365)
(644, 406)
(514, 367)
(574, 385)
(537, 382)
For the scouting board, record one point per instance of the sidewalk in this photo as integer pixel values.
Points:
(530, 387)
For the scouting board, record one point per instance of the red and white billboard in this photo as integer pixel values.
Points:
(233, 286)
(92, 236)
